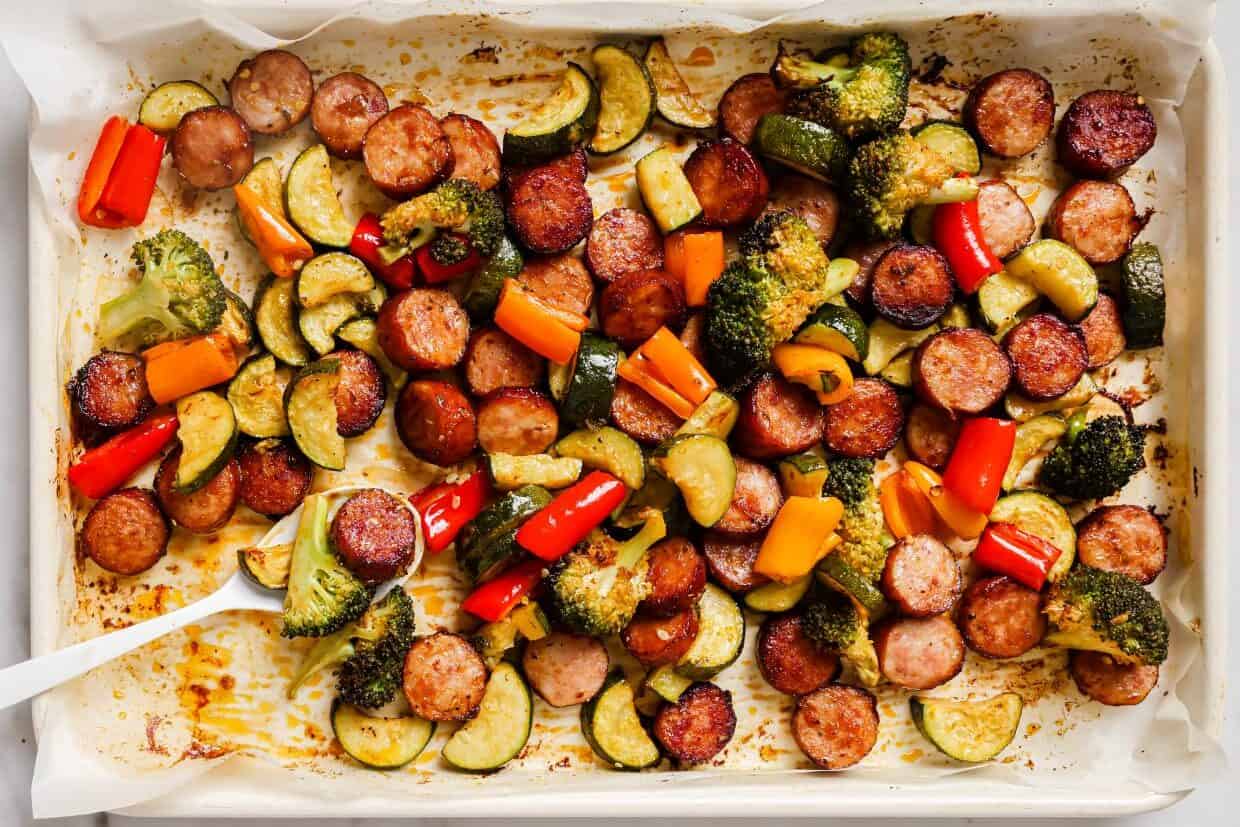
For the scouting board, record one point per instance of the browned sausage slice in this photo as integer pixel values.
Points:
(866, 254)
(110, 391)
(406, 152)
(921, 576)
(423, 329)
(206, 510)
(345, 107)
(374, 535)
(731, 561)
(474, 150)
(1001, 618)
(676, 573)
(444, 678)
(633, 307)
(930, 435)
(777, 418)
(1103, 330)
(495, 360)
(746, 101)
(836, 726)
(755, 500)
(698, 726)
(961, 371)
(1098, 218)
(549, 211)
(436, 422)
(212, 148)
(638, 414)
(1104, 132)
(1126, 539)
(867, 423)
(790, 661)
(275, 477)
(517, 421)
(272, 91)
(562, 281)
(361, 394)
(1048, 357)
(728, 181)
(655, 641)
(1108, 682)
(1007, 223)
(912, 286)
(573, 165)
(1011, 112)
(811, 199)
(919, 653)
(125, 532)
(623, 241)
(565, 669)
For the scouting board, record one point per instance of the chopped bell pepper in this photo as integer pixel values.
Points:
(435, 273)
(568, 519)
(979, 460)
(799, 537)
(367, 239)
(1024, 557)
(535, 324)
(823, 371)
(176, 369)
(281, 247)
(636, 370)
(667, 359)
(103, 469)
(494, 599)
(697, 259)
(447, 507)
(120, 177)
(957, 232)
(907, 511)
(963, 521)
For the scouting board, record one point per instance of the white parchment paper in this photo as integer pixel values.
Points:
(201, 716)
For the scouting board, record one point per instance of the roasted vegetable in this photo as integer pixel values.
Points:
(323, 596)
(835, 623)
(1102, 611)
(1096, 459)
(457, 205)
(865, 540)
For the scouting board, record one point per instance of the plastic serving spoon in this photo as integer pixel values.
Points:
(36, 676)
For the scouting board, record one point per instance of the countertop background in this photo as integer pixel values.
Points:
(1206, 806)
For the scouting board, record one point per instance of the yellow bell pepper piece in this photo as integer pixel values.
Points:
(963, 521)
(799, 537)
(823, 371)
(908, 511)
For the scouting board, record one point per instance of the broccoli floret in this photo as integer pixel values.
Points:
(1103, 611)
(890, 175)
(456, 204)
(781, 242)
(179, 295)
(864, 97)
(322, 594)
(596, 589)
(862, 528)
(1096, 459)
(450, 249)
(835, 623)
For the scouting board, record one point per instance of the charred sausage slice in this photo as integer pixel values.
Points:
(1098, 218)
(125, 532)
(633, 307)
(919, 653)
(374, 535)
(961, 371)
(623, 241)
(110, 391)
(272, 91)
(755, 500)
(1048, 356)
(836, 726)
(698, 726)
(655, 641)
(930, 435)
(1103, 329)
(746, 101)
(921, 576)
(790, 661)
(777, 418)
(1126, 539)
(444, 678)
(813, 200)
(676, 573)
(866, 254)
(1001, 618)
(406, 152)
(728, 181)
(731, 561)
(867, 423)
(1106, 681)
(275, 477)
(206, 510)
(474, 150)
(212, 148)
(495, 360)
(361, 394)
(573, 165)
(638, 414)
(345, 107)
(436, 422)
(1104, 132)
(517, 421)
(912, 286)
(1007, 223)
(1011, 112)
(562, 281)
(565, 669)
(423, 329)
(549, 210)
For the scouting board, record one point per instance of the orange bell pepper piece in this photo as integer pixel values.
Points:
(536, 324)
(635, 370)
(282, 248)
(668, 359)
(800, 536)
(963, 521)
(906, 509)
(697, 259)
(177, 369)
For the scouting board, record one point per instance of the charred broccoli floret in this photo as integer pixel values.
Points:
(322, 594)
(834, 622)
(1096, 459)
(179, 295)
(457, 205)
(1103, 611)
(862, 528)
(890, 175)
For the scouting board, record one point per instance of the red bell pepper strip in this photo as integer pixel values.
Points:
(565, 522)
(494, 599)
(367, 239)
(103, 469)
(111, 137)
(975, 471)
(957, 232)
(435, 273)
(447, 507)
(131, 183)
(1024, 557)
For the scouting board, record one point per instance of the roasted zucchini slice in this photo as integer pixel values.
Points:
(379, 743)
(607, 449)
(702, 467)
(613, 730)
(1030, 437)
(267, 566)
(953, 142)
(208, 436)
(809, 148)
(482, 294)
(585, 393)
(716, 416)
(886, 342)
(310, 405)
(164, 106)
(666, 191)
(363, 334)
(778, 597)
(487, 543)
(257, 397)
(498, 733)
(311, 200)
(558, 124)
(275, 317)
(721, 636)
(329, 275)
(1039, 515)
(839, 329)
(626, 99)
(509, 472)
(1058, 272)
(1145, 297)
(972, 731)
(237, 323)
(899, 371)
(803, 475)
(1000, 300)
(675, 102)
(1022, 409)
(318, 325)
(667, 683)
(836, 574)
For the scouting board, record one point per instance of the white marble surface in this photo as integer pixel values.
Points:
(1206, 806)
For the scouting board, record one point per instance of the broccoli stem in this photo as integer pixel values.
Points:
(148, 301)
(952, 191)
(630, 552)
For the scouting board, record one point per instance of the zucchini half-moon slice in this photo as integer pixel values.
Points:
(310, 405)
(502, 726)
(311, 200)
(610, 725)
(557, 125)
(674, 100)
(379, 743)
(164, 106)
(208, 436)
(626, 100)
(972, 731)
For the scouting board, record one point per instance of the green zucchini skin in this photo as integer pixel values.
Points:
(257, 397)
(608, 449)
(676, 104)
(379, 743)
(488, 541)
(202, 458)
(721, 636)
(805, 146)
(837, 328)
(587, 399)
(572, 123)
(665, 190)
(970, 731)
(1145, 300)
(482, 294)
(311, 202)
(164, 106)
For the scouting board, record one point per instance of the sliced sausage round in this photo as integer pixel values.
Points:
(930, 435)
(475, 151)
(812, 200)
(1001, 618)
(728, 182)
(573, 165)
(693, 336)
(517, 421)
(110, 391)
(777, 418)
(912, 286)
(423, 329)
(275, 477)
(1126, 539)
(1097, 218)
(444, 678)
(345, 107)
(436, 422)
(562, 281)
(272, 91)
(374, 535)
(746, 101)
(866, 423)
(633, 307)
(698, 726)
(961, 371)
(565, 669)
(549, 211)
(1103, 329)
(756, 499)
(623, 241)
(655, 641)
(206, 510)
(866, 254)
(919, 653)
(1103, 679)
(1011, 112)
(1048, 356)
(406, 151)
(789, 660)
(921, 576)
(836, 726)
(1104, 132)
(731, 560)
(495, 360)
(1007, 223)
(361, 393)
(125, 532)
(638, 414)
(676, 574)
(212, 148)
